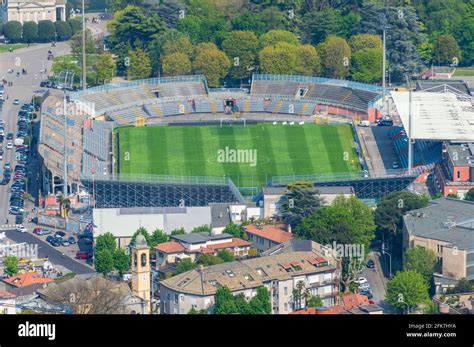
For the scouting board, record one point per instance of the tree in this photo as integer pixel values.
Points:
(299, 204)
(104, 261)
(469, 196)
(274, 37)
(203, 228)
(241, 48)
(407, 288)
(179, 231)
(367, 65)
(30, 32)
(158, 236)
(46, 30)
(463, 286)
(224, 301)
(11, 265)
(318, 25)
(234, 230)
(139, 65)
(63, 30)
(212, 63)
(209, 259)
(176, 64)
(336, 57)
(279, 59)
(12, 30)
(421, 260)
(105, 242)
(260, 303)
(308, 61)
(105, 67)
(75, 24)
(361, 41)
(315, 301)
(300, 295)
(134, 27)
(121, 261)
(225, 255)
(446, 50)
(184, 265)
(95, 295)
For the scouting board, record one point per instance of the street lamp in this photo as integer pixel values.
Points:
(390, 259)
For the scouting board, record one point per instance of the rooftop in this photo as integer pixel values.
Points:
(269, 232)
(219, 215)
(170, 247)
(461, 154)
(201, 237)
(6, 295)
(245, 274)
(27, 279)
(436, 116)
(445, 219)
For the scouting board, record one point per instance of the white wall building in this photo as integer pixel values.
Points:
(32, 10)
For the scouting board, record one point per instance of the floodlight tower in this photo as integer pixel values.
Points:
(409, 135)
(84, 75)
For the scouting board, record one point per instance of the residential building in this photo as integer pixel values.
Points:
(274, 197)
(446, 227)
(455, 173)
(7, 302)
(350, 304)
(280, 273)
(196, 244)
(32, 10)
(265, 237)
(25, 280)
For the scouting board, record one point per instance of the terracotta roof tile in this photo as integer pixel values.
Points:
(27, 279)
(170, 247)
(269, 232)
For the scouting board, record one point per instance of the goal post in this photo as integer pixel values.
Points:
(234, 121)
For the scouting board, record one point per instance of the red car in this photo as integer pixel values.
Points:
(37, 231)
(83, 255)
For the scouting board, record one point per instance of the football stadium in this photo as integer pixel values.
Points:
(160, 141)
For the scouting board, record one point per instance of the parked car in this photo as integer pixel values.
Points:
(83, 255)
(37, 231)
(71, 240)
(65, 243)
(361, 280)
(21, 229)
(50, 238)
(59, 234)
(370, 264)
(16, 102)
(367, 293)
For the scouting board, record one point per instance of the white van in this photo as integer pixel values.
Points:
(364, 123)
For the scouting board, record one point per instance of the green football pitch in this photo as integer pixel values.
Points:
(250, 155)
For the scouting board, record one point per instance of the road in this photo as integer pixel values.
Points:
(45, 250)
(33, 59)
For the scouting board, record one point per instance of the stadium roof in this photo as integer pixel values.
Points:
(436, 116)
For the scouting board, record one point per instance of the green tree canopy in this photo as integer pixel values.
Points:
(241, 48)
(12, 30)
(179, 231)
(208, 260)
(121, 261)
(299, 203)
(176, 64)
(469, 196)
(279, 59)
(362, 41)
(308, 61)
(367, 65)
(446, 50)
(211, 62)
(203, 228)
(63, 30)
(274, 37)
(30, 32)
(158, 236)
(46, 30)
(421, 260)
(10, 264)
(335, 56)
(105, 242)
(407, 288)
(104, 261)
(315, 301)
(75, 24)
(225, 255)
(139, 65)
(184, 265)
(105, 67)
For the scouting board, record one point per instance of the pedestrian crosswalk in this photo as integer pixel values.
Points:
(8, 226)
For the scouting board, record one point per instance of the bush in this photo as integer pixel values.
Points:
(63, 30)
(46, 30)
(75, 24)
(13, 30)
(30, 32)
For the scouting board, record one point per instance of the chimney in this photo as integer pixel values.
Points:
(288, 229)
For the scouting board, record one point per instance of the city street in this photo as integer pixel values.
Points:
(45, 250)
(376, 279)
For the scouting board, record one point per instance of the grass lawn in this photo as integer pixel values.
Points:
(279, 150)
(464, 71)
(6, 48)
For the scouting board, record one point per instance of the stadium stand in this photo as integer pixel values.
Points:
(443, 85)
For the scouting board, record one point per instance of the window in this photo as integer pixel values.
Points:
(458, 174)
(161, 255)
(143, 259)
(440, 249)
(176, 298)
(286, 292)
